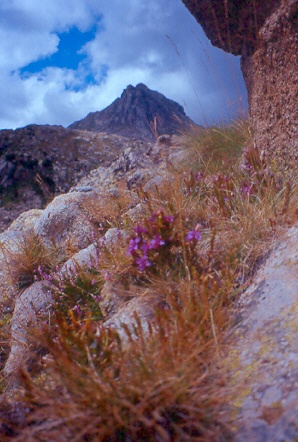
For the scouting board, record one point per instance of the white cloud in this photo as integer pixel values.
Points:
(27, 28)
(131, 46)
(19, 49)
(54, 15)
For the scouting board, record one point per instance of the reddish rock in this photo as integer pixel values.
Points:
(265, 34)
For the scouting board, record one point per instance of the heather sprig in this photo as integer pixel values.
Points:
(159, 242)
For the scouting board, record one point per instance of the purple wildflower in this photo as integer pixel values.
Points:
(156, 242)
(107, 276)
(140, 230)
(96, 298)
(246, 189)
(199, 176)
(134, 245)
(153, 217)
(43, 274)
(143, 262)
(77, 309)
(169, 219)
(193, 235)
(145, 247)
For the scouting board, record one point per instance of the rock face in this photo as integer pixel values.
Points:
(263, 361)
(132, 115)
(265, 34)
(48, 151)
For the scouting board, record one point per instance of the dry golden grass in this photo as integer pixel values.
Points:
(200, 239)
(108, 211)
(26, 255)
(218, 147)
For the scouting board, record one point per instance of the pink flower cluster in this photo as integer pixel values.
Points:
(155, 239)
(139, 246)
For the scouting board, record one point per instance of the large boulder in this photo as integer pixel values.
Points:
(142, 307)
(265, 34)
(65, 222)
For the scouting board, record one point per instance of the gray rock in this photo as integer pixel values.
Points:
(50, 159)
(113, 297)
(262, 365)
(87, 257)
(264, 34)
(114, 237)
(65, 222)
(143, 306)
(82, 189)
(33, 303)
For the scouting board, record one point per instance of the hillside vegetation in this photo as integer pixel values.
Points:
(193, 247)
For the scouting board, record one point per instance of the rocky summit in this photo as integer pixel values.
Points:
(139, 113)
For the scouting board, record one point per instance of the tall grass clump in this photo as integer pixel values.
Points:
(26, 255)
(216, 147)
(200, 238)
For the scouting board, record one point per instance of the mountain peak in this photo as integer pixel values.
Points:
(135, 115)
(130, 89)
(139, 86)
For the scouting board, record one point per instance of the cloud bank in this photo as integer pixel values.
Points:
(61, 60)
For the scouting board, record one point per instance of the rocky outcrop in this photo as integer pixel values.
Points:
(67, 226)
(39, 162)
(265, 34)
(65, 223)
(262, 356)
(262, 365)
(139, 113)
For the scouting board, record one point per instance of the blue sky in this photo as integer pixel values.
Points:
(61, 60)
(68, 54)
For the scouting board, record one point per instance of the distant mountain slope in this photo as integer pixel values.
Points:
(134, 113)
(38, 162)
